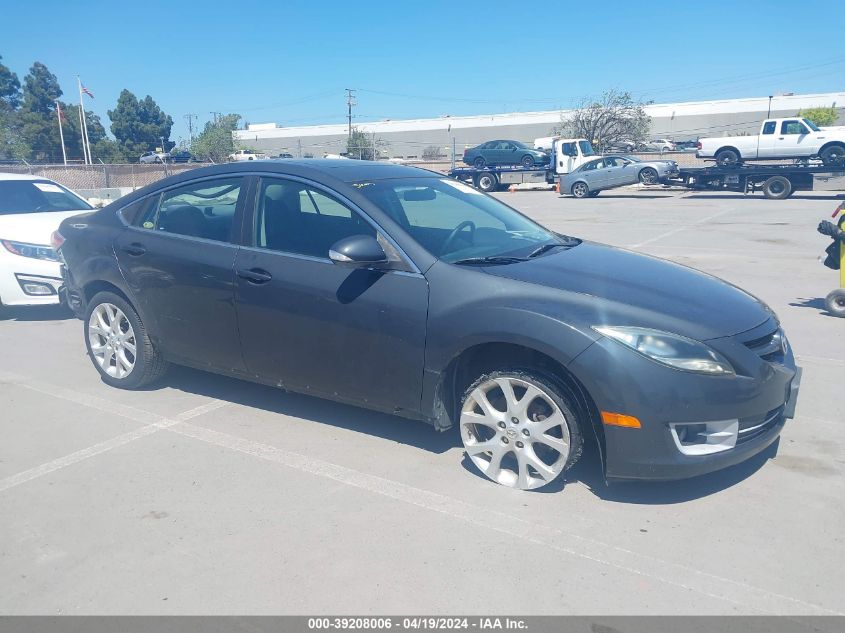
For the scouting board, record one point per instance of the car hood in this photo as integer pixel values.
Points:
(33, 228)
(612, 286)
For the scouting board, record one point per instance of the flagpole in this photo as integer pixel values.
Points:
(83, 126)
(61, 132)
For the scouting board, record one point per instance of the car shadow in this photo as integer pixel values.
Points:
(587, 470)
(35, 313)
(816, 304)
(390, 427)
(739, 196)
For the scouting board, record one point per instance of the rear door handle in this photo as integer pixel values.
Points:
(255, 275)
(135, 249)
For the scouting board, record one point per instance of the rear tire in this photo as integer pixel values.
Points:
(118, 344)
(835, 302)
(479, 162)
(527, 161)
(777, 188)
(727, 157)
(648, 176)
(580, 190)
(487, 182)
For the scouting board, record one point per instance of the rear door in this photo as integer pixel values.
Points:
(178, 261)
(306, 323)
(766, 140)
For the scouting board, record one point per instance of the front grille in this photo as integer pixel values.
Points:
(749, 428)
(770, 347)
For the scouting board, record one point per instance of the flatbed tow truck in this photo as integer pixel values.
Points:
(776, 181)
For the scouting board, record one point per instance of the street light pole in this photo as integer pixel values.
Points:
(769, 113)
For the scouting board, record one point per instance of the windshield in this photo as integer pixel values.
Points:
(37, 196)
(453, 221)
(520, 145)
(586, 148)
(811, 125)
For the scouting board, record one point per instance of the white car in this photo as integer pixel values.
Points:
(31, 208)
(246, 154)
(660, 145)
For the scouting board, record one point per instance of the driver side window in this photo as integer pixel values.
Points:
(793, 127)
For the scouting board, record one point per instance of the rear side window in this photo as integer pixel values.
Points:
(203, 209)
(141, 212)
(769, 127)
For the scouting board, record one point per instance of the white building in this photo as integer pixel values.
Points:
(408, 138)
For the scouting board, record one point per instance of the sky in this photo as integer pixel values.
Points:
(290, 61)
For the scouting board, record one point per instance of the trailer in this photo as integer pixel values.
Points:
(565, 155)
(777, 182)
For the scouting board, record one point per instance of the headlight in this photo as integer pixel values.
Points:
(673, 350)
(35, 251)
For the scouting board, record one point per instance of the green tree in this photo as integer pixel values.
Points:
(37, 124)
(101, 146)
(10, 89)
(821, 116)
(216, 142)
(11, 145)
(363, 146)
(139, 125)
(612, 118)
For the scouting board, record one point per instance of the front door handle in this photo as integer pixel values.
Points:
(135, 249)
(255, 275)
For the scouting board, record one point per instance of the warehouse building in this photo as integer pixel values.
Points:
(410, 138)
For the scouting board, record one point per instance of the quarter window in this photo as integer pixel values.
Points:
(203, 209)
(295, 218)
(769, 127)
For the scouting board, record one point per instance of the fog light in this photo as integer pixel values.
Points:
(36, 288)
(704, 438)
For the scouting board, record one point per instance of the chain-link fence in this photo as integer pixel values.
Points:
(102, 176)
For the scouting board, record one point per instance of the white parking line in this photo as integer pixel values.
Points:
(717, 587)
(152, 422)
(680, 228)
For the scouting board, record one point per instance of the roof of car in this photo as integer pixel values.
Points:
(343, 169)
(8, 176)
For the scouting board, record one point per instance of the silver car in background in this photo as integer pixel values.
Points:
(608, 172)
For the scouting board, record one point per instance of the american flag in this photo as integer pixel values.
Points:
(86, 91)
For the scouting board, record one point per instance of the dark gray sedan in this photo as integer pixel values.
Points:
(615, 171)
(403, 291)
(504, 153)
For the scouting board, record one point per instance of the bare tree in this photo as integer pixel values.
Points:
(432, 153)
(611, 119)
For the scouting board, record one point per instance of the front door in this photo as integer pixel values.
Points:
(306, 323)
(177, 259)
(794, 140)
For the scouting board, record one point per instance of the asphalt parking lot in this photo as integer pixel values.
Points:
(207, 495)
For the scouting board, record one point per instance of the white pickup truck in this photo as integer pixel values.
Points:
(246, 154)
(778, 138)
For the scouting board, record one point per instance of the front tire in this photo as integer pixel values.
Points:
(118, 344)
(527, 161)
(519, 429)
(833, 156)
(835, 302)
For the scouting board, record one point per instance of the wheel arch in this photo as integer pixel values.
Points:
(728, 147)
(832, 144)
(470, 362)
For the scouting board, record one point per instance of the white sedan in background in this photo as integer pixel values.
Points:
(31, 208)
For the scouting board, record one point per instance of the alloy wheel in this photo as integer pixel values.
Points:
(514, 433)
(112, 340)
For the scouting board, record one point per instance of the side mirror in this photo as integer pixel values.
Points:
(357, 251)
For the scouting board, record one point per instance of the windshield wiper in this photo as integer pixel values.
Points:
(568, 243)
(488, 261)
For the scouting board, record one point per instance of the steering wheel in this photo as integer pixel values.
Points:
(454, 234)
